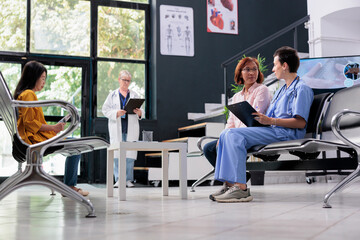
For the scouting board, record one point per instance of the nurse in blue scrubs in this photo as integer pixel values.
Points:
(287, 116)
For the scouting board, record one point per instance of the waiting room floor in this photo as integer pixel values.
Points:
(279, 211)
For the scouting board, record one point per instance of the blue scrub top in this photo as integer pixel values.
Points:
(289, 102)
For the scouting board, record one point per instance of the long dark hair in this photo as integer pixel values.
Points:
(31, 73)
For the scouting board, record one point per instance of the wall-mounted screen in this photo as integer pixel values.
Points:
(330, 72)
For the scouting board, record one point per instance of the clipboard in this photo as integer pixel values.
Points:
(243, 111)
(133, 103)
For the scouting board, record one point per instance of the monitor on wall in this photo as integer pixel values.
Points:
(330, 72)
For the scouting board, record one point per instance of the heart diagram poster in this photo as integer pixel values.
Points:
(222, 16)
(176, 31)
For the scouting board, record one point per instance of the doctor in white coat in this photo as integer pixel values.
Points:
(123, 126)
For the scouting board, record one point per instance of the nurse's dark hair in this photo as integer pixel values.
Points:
(290, 56)
(31, 73)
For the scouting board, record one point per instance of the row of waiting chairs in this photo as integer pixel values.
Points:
(333, 124)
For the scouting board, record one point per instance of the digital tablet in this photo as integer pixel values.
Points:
(243, 111)
(133, 103)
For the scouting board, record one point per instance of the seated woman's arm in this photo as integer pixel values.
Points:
(296, 122)
(56, 128)
(300, 109)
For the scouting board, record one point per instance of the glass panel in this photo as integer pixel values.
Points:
(60, 27)
(11, 73)
(8, 166)
(108, 74)
(121, 33)
(62, 83)
(13, 25)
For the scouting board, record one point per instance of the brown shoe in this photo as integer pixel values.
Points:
(78, 190)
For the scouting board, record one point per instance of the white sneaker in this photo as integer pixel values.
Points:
(221, 191)
(235, 194)
(116, 185)
(129, 184)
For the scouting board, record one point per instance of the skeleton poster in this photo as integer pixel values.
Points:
(222, 16)
(176, 31)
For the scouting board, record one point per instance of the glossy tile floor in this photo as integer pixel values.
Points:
(279, 211)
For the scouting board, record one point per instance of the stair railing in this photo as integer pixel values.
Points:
(261, 43)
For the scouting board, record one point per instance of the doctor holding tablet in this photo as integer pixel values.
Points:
(123, 126)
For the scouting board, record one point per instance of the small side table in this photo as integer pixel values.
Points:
(165, 147)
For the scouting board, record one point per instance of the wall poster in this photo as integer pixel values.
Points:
(176, 31)
(222, 16)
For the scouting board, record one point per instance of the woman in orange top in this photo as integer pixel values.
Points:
(31, 124)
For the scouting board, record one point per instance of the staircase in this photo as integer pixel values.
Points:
(213, 112)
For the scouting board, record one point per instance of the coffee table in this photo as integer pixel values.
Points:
(164, 147)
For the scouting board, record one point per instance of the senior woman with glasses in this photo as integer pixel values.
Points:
(123, 126)
(247, 73)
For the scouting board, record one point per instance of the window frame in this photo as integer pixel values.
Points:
(89, 73)
(94, 50)
(93, 59)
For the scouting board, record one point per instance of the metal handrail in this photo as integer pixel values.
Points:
(261, 43)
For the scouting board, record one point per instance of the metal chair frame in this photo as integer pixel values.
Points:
(33, 173)
(327, 120)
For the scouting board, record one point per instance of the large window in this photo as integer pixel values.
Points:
(84, 44)
(121, 46)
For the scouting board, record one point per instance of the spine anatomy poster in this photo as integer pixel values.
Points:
(176, 31)
(222, 16)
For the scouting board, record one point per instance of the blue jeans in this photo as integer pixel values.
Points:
(210, 152)
(129, 165)
(71, 167)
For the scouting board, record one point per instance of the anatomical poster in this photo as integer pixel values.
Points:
(222, 16)
(176, 31)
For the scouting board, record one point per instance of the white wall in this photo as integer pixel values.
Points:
(334, 27)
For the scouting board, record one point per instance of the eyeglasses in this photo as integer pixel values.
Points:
(247, 70)
(125, 80)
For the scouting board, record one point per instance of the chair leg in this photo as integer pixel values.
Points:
(35, 175)
(344, 183)
(9, 179)
(201, 180)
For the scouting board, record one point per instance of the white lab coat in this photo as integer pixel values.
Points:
(109, 109)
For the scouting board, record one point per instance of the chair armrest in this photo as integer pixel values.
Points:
(335, 127)
(199, 142)
(75, 119)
